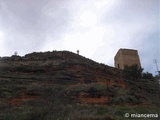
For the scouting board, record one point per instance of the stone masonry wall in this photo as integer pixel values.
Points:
(126, 57)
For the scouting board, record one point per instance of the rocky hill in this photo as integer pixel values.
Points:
(63, 85)
(60, 67)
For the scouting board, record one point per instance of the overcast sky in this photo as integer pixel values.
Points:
(98, 28)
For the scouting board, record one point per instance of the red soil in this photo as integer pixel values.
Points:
(18, 100)
(94, 100)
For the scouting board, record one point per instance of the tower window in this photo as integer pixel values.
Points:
(118, 65)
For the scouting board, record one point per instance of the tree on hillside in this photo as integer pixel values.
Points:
(133, 72)
(147, 75)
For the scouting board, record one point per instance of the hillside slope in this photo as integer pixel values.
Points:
(63, 85)
(62, 66)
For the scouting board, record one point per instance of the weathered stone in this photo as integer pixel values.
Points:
(126, 57)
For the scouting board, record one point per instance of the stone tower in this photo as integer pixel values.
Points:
(126, 57)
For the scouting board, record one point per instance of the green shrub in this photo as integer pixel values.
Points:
(147, 75)
(133, 72)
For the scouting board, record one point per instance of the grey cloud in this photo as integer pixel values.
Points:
(28, 23)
